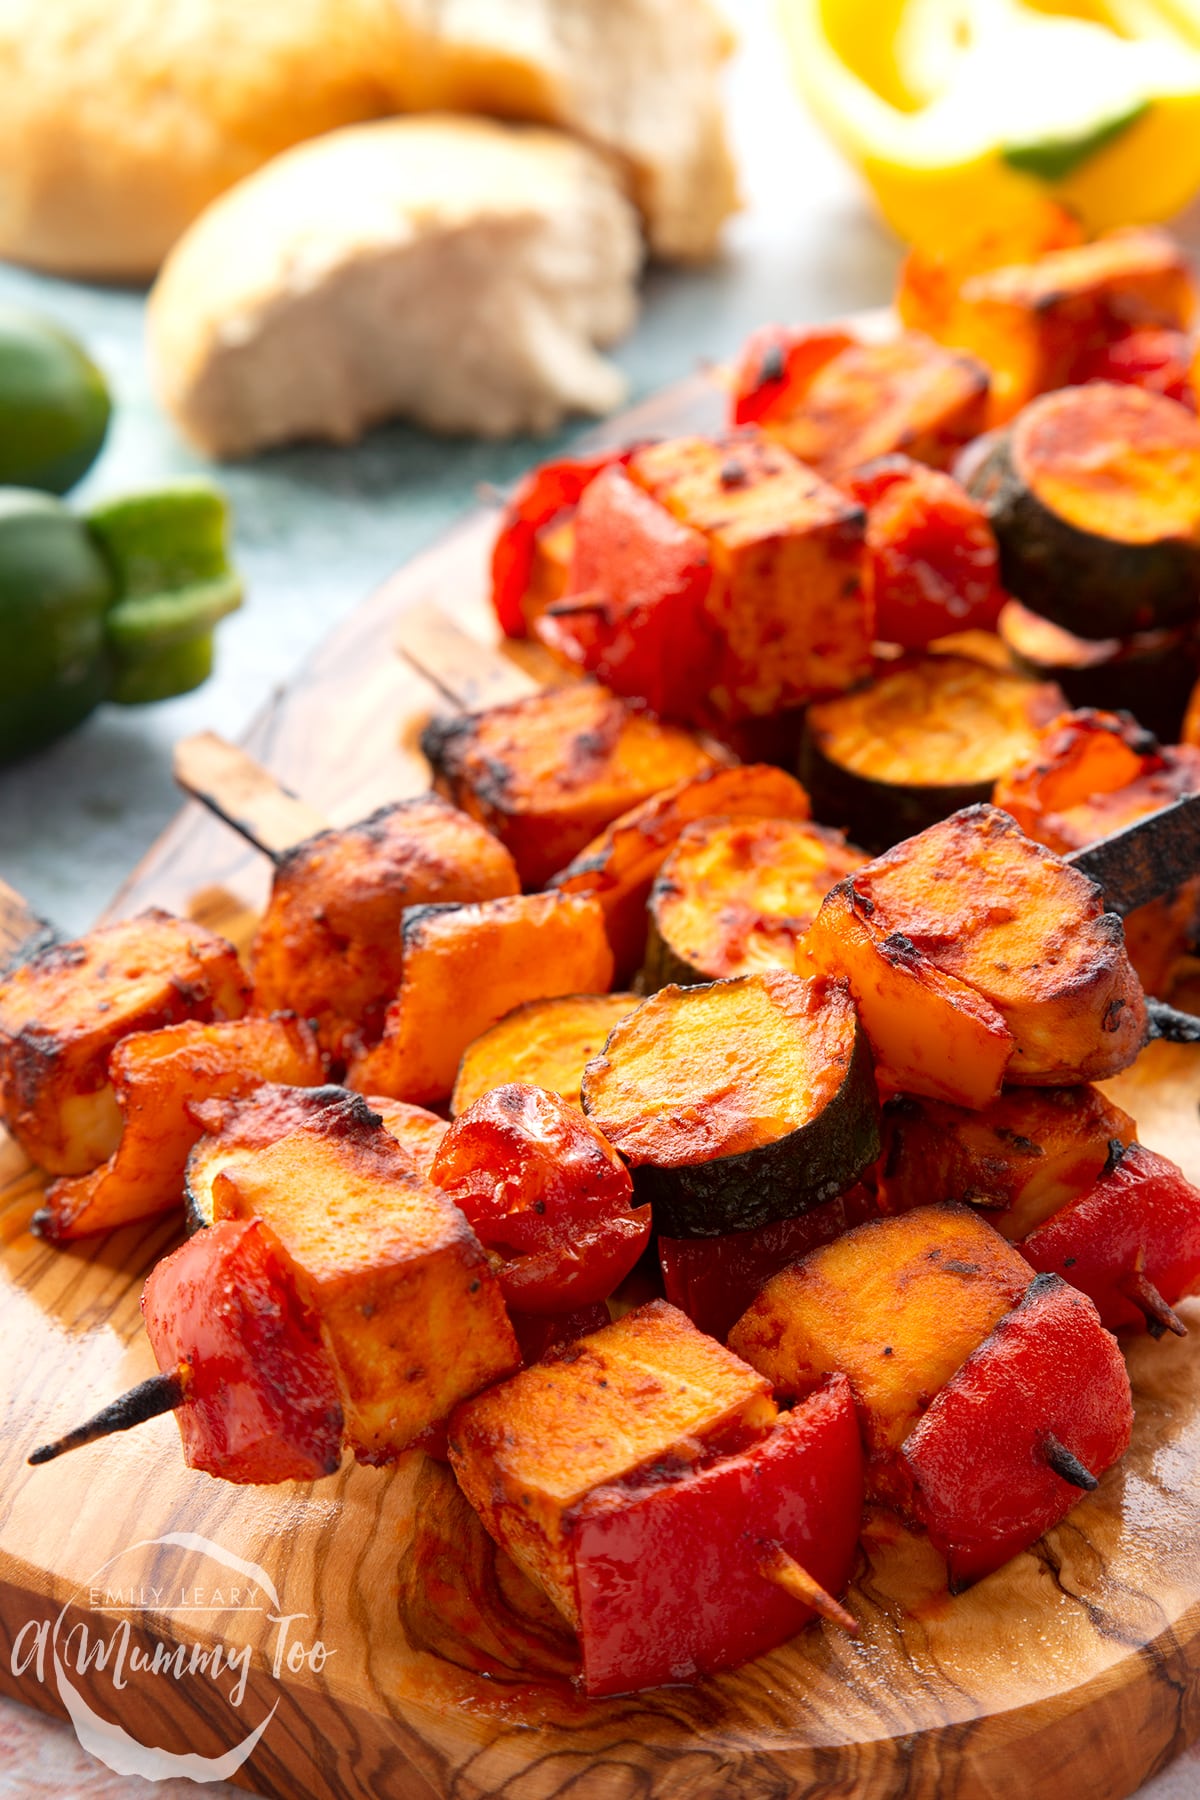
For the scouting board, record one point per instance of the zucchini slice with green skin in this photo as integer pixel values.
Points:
(544, 1042)
(1150, 674)
(241, 1128)
(736, 895)
(738, 1103)
(1094, 496)
(931, 735)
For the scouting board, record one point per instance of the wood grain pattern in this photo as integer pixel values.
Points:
(1076, 1670)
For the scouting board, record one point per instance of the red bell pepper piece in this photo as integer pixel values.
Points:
(1131, 1243)
(776, 369)
(1150, 356)
(713, 1280)
(670, 1575)
(547, 1195)
(1030, 1420)
(260, 1398)
(934, 566)
(538, 499)
(634, 611)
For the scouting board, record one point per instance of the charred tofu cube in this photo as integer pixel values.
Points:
(328, 946)
(465, 967)
(788, 559)
(158, 1078)
(648, 1396)
(646, 1483)
(412, 1314)
(63, 1013)
(896, 1304)
(547, 774)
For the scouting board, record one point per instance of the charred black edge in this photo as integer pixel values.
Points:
(1173, 1026)
(1145, 860)
(156, 1395)
(39, 937)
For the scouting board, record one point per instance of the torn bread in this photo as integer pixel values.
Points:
(120, 120)
(450, 271)
(640, 78)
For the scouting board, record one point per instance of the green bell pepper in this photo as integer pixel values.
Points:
(119, 605)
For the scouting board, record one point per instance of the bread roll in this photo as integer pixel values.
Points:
(121, 119)
(637, 77)
(452, 271)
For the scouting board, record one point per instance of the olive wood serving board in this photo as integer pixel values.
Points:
(1074, 1670)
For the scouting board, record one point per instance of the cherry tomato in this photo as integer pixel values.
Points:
(549, 1198)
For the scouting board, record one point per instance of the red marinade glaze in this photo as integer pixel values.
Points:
(981, 1484)
(634, 613)
(934, 564)
(547, 1195)
(1143, 1214)
(262, 1401)
(669, 1577)
(713, 1280)
(536, 502)
(776, 369)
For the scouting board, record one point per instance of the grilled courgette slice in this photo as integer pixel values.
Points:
(738, 1103)
(545, 1043)
(1094, 495)
(736, 895)
(1149, 674)
(931, 735)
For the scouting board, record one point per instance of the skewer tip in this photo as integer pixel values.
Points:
(157, 1394)
(795, 1580)
(1067, 1465)
(1159, 1315)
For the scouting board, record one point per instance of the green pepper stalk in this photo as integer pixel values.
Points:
(118, 605)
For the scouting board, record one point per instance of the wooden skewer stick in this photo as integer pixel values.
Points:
(1135, 865)
(1160, 1317)
(1146, 859)
(1066, 1464)
(795, 1580)
(470, 674)
(157, 1394)
(22, 933)
(240, 791)
(1168, 1023)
